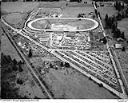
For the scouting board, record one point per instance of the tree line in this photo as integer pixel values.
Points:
(119, 5)
(111, 23)
(9, 68)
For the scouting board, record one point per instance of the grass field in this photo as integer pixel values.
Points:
(16, 20)
(8, 49)
(123, 26)
(107, 10)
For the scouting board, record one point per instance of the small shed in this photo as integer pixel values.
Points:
(118, 46)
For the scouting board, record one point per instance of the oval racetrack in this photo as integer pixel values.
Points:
(63, 24)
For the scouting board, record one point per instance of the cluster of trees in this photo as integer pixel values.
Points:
(14, 64)
(122, 15)
(55, 66)
(8, 92)
(104, 40)
(119, 5)
(9, 69)
(126, 1)
(81, 15)
(122, 10)
(111, 23)
(65, 64)
(5, 59)
(30, 53)
(97, 14)
(62, 64)
(118, 34)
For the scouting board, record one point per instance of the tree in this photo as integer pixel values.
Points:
(118, 17)
(21, 62)
(118, 6)
(8, 92)
(100, 85)
(14, 67)
(30, 53)
(117, 33)
(20, 68)
(96, 13)
(14, 61)
(122, 35)
(67, 64)
(61, 64)
(3, 60)
(19, 81)
(114, 27)
(104, 40)
(51, 66)
(56, 68)
(90, 78)
(123, 48)
(106, 18)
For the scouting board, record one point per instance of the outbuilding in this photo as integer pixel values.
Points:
(118, 46)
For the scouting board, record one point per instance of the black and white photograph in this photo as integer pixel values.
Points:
(64, 50)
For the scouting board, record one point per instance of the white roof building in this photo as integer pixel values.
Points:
(118, 46)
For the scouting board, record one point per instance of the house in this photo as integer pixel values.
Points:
(118, 46)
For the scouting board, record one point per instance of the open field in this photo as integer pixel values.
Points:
(16, 20)
(110, 10)
(21, 7)
(123, 26)
(8, 49)
(67, 12)
(68, 83)
(11, 7)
